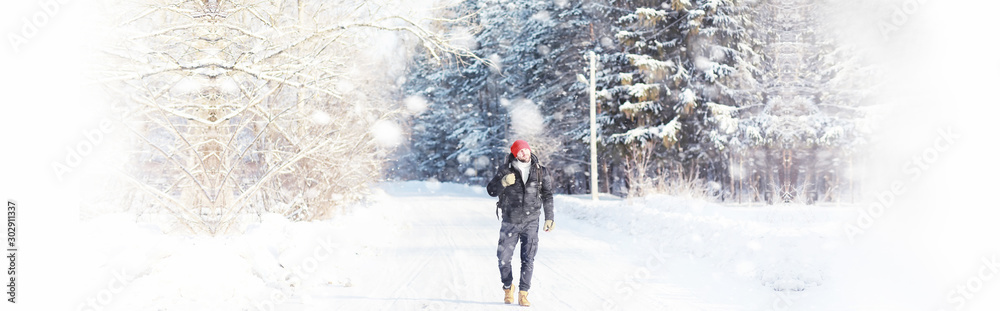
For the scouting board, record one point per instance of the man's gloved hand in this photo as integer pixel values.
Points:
(508, 180)
(548, 225)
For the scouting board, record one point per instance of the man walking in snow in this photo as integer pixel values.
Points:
(524, 188)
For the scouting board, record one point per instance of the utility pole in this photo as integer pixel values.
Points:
(593, 126)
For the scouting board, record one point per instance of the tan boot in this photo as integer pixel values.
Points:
(508, 295)
(522, 299)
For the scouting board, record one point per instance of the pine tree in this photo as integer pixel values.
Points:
(740, 100)
(689, 67)
(816, 95)
(455, 138)
(525, 92)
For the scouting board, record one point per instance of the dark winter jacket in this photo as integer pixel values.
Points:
(520, 202)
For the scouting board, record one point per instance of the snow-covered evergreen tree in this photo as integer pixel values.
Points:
(688, 68)
(743, 100)
(525, 92)
(455, 139)
(817, 92)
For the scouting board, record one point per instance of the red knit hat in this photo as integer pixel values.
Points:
(517, 146)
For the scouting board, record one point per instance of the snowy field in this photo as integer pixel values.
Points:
(431, 246)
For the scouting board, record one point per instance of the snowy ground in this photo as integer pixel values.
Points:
(431, 246)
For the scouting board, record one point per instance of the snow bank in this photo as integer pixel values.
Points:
(137, 267)
(781, 247)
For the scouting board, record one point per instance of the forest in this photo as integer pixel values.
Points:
(229, 110)
(741, 101)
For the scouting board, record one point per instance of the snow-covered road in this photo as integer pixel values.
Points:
(443, 257)
(432, 246)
